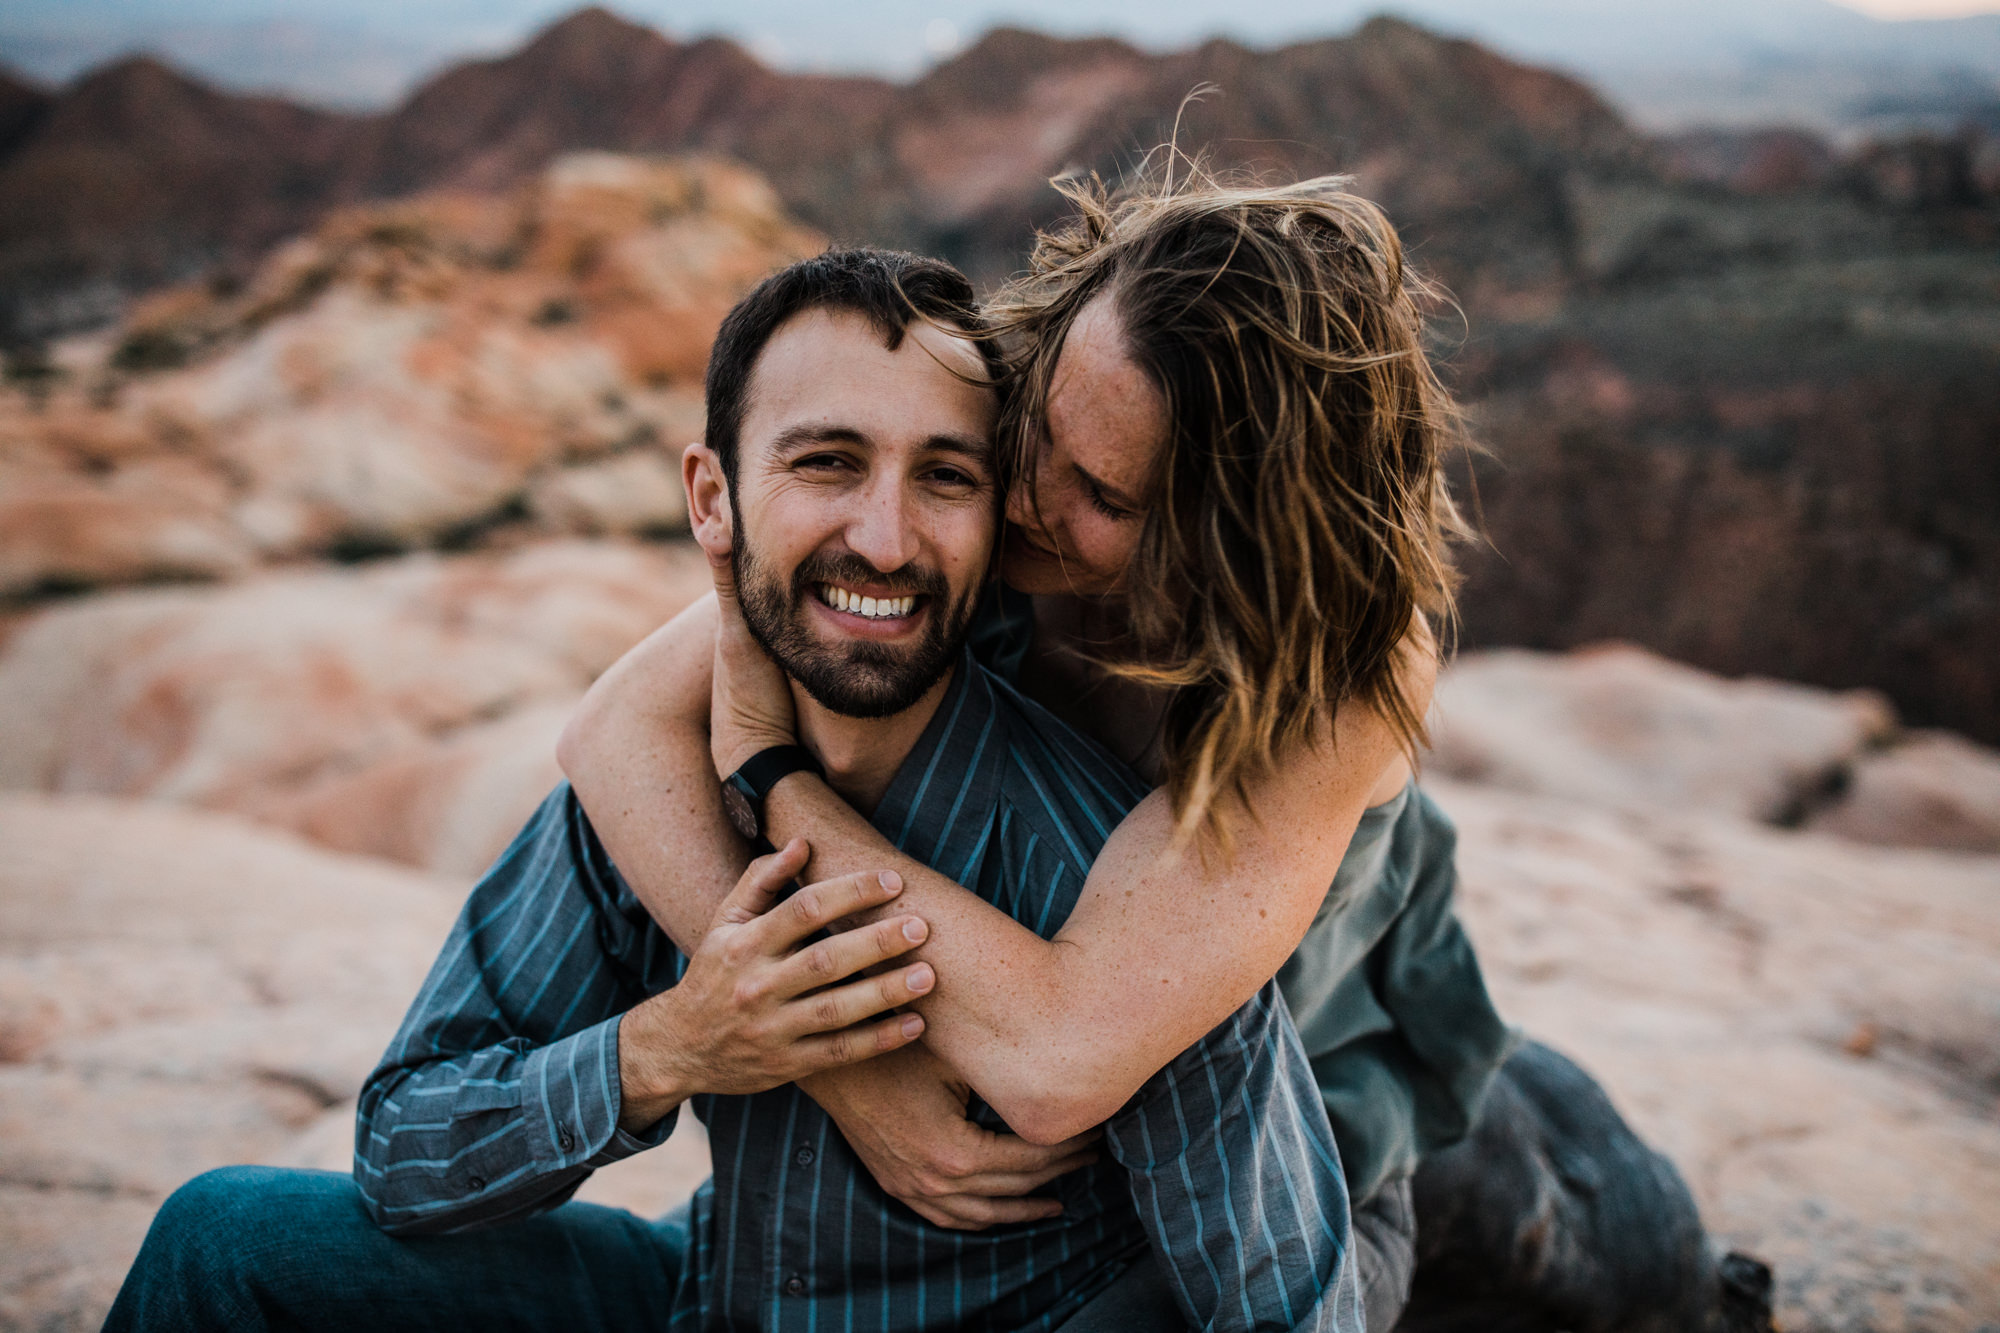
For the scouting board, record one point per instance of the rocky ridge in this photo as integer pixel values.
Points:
(434, 371)
(954, 162)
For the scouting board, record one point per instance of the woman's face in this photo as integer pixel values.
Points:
(1107, 423)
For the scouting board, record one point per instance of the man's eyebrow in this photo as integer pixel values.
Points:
(969, 446)
(792, 437)
(1106, 489)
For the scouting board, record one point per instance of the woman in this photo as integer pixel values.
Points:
(1230, 516)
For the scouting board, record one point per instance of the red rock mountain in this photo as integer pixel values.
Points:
(136, 173)
(1742, 412)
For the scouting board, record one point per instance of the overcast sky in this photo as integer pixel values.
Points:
(365, 52)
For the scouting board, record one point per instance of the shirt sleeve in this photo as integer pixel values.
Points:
(500, 1093)
(1238, 1183)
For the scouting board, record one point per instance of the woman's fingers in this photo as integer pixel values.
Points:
(817, 906)
(763, 883)
(973, 1212)
(1009, 1154)
(852, 949)
(1001, 1184)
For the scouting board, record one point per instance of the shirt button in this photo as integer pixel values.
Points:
(795, 1285)
(476, 1183)
(564, 1140)
(804, 1156)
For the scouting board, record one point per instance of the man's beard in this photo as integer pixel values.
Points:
(862, 678)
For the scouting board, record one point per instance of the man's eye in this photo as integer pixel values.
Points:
(952, 476)
(821, 462)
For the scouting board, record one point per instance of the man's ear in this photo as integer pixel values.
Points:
(709, 514)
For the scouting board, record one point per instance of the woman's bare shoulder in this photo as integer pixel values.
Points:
(1360, 749)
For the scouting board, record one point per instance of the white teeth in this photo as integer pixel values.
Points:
(875, 608)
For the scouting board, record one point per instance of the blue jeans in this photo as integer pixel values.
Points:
(256, 1247)
(250, 1247)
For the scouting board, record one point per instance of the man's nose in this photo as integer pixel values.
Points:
(883, 531)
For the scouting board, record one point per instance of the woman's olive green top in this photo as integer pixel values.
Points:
(1386, 992)
(1389, 998)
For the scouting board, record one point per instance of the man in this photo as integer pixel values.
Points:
(560, 1030)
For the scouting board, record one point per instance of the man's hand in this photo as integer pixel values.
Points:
(758, 1006)
(904, 1116)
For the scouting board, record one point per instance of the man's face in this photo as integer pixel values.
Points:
(865, 507)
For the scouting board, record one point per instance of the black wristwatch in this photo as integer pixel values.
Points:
(743, 791)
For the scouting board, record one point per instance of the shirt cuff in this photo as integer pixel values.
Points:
(571, 1097)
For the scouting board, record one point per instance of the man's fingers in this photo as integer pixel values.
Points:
(763, 883)
(839, 956)
(840, 1007)
(817, 906)
(853, 1045)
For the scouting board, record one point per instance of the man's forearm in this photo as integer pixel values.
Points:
(649, 1086)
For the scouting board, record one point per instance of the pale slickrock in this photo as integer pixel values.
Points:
(1809, 1027)
(1616, 725)
(407, 707)
(1932, 789)
(196, 991)
(183, 990)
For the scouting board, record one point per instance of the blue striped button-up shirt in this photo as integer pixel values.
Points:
(500, 1093)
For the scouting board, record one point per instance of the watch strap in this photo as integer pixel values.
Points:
(766, 768)
(743, 791)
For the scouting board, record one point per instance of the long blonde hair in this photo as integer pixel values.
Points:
(1299, 518)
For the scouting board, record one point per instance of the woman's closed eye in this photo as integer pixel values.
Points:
(1102, 503)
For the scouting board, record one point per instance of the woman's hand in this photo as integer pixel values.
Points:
(750, 701)
(904, 1116)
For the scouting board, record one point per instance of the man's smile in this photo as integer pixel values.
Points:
(887, 610)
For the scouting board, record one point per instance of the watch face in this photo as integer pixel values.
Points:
(741, 813)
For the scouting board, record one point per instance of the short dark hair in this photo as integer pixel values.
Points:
(889, 287)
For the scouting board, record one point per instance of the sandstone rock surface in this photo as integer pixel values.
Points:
(179, 991)
(1808, 1024)
(411, 373)
(406, 707)
(1616, 725)
(1809, 1027)
(1932, 790)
